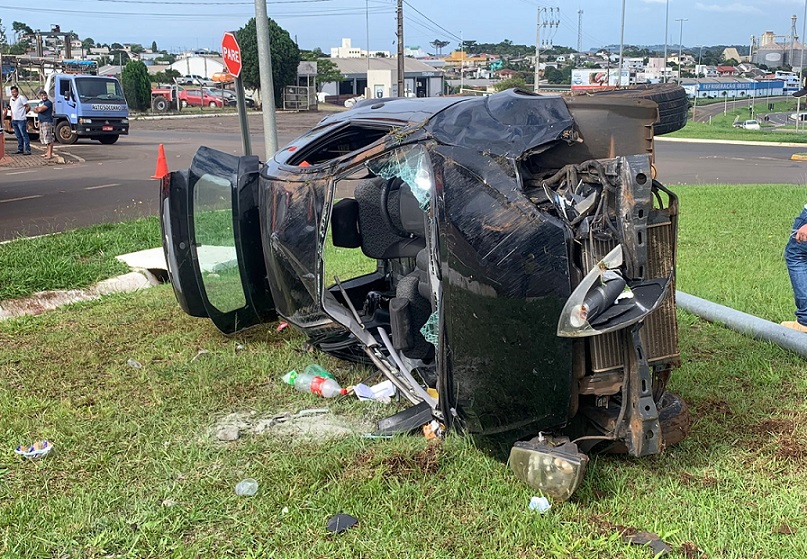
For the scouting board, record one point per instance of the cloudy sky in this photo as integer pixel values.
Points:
(183, 24)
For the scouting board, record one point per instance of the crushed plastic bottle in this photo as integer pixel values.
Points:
(321, 386)
(246, 487)
(540, 504)
(134, 363)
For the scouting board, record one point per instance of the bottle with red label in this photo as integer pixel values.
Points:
(315, 384)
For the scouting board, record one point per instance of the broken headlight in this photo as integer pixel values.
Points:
(554, 470)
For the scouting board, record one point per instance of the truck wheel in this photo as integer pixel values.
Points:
(673, 104)
(159, 104)
(184, 103)
(65, 134)
(108, 140)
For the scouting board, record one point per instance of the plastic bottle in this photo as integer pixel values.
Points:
(321, 386)
(246, 487)
(318, 371)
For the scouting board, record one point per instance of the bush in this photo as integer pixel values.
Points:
(136, 85)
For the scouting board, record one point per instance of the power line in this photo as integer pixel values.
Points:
(452, 35)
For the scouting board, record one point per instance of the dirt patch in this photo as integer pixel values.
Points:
(791, 448)
(703, 480)
(713, 407)
(772, 426)
(692, 551)
(305, 426)
(423, 463)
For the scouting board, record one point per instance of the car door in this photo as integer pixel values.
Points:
(211, 237)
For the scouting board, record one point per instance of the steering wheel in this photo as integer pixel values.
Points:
(388, 185)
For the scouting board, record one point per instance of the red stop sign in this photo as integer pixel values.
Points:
(231, 53)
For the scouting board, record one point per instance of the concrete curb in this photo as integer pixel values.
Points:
(730, 142)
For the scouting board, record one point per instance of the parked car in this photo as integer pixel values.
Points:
(194, 79)
(230, 97)
(747, 124)
(199, 98)
(801, 117)
(518, 263)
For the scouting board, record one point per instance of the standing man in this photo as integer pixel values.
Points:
(796, 260)
(19, 108)
(44, 112)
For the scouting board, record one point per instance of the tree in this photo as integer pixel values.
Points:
(119, 57)
(166, 76)
(154, 46)
(87, 44)
(116, 46)
(285, 57)
(136, 85)
(136, 48)
(439, 45)
(20, 29)
(510, 83)
(327, 70)
(553, 75)
(3, 39)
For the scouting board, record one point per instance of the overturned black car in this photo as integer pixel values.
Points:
(513, 252)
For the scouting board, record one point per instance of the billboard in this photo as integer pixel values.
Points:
(594, 78)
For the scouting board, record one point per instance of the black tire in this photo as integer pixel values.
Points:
(160, 104)
(673, 416)
(65, 134)
(108, 140)
(673, 104)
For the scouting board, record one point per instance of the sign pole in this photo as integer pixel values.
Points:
(242, 116)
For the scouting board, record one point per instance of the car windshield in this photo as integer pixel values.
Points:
(90, 89)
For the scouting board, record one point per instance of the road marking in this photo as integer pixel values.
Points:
(102, 186)
(20, 172)
(22, 198)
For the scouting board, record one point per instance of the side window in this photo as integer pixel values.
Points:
(215, 243)
(64, 89)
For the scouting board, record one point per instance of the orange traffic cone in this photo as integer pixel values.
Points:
(162, 166)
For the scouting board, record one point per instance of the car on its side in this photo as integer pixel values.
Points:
(195, 79)
(747, 124)
(230, 97)
(512, 263)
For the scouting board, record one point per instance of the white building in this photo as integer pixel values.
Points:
(204, 66)
(347, 50)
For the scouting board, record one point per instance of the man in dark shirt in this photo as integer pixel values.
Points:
(44, 113)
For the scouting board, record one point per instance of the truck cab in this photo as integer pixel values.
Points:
(86, 106)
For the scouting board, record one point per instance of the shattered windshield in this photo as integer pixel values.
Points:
(411, 164)
(98, 89)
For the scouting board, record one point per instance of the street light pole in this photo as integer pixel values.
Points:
(680, 46)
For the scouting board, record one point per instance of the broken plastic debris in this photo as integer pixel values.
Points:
(282, 326)
(651, 540)
(246, 487)
(433, 430)
(199, 354)
(540, 504)
(381, 392)
(341, 522)
(36, 450)
(134, 363)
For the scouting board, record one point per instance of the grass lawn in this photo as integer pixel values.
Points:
(137, 470)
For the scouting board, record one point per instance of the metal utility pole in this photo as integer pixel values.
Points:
(680, 47)
(666, 34)
(367, 29)
(793, 37)
(401, 91)
(265, 75)
(579, 30)
(547, 23)
(801, 63)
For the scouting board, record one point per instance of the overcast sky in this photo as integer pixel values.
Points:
(184, 24)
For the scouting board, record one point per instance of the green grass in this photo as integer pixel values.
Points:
(136, 471)
(74, 259)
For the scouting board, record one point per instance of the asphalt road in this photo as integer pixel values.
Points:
(112, 183)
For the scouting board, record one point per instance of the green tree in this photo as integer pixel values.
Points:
(553, 75)
(510, 83)
(327, 70)
(166, 76)
(87, 44)
(118, 56)
(20, 29)
(285, 57)
(137, 48)
(439, 45)
(136, 85)
(154, 46)
(3, 39)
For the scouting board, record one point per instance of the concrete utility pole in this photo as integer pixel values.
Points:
(621, 44)
(579, 30)
(801, 63)
(401, 91)
(680, 46)
(547, 23)
(265, 73)
(666, 35)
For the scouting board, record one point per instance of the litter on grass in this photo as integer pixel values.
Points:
(36, 450)
(381, 392)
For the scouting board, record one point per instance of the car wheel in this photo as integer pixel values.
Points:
(108, 140)
(212, 104)
(159, 104)
(65, 134)
(184, 103)
(673, 104)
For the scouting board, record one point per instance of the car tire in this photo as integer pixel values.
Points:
(212, 105)
(160, 104)
(108, 140)
(65, 134)
(672, 100)
(183, 103)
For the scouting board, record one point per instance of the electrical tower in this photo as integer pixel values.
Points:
(579, 30)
